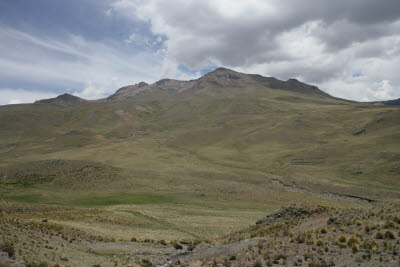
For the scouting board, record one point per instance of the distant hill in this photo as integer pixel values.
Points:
(62, 100)
(394, 102)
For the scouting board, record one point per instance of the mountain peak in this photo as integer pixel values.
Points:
(222, 73)
(222, 69)
(62, 100)
(141, 84)
(128, 91)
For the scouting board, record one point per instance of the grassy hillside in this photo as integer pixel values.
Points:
(209, 157)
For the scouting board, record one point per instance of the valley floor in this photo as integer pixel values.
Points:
(292, 236)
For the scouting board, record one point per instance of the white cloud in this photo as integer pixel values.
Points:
(319, 42)
(93, 69)
(19, 96)
(322, 43)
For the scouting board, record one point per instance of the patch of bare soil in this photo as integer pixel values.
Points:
(327, 195)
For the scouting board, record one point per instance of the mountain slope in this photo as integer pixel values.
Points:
(225, 118)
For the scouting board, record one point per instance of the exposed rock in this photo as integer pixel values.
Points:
(290, 212)
(359, 132)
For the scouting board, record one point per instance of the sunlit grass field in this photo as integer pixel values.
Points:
(199, 166)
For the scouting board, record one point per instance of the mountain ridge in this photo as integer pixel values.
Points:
(219, 78)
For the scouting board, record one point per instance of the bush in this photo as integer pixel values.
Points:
(352, 241)
(355, 248)
(257, 263)
(319, 242)
(324, 230)
(342, 239)
(389, 224)
(378, 235)
(146, 262)
(390, 235)
(277, 257)
(176, 245)
(162, 242)
(322, 263)
(8, 247)
(301, 238)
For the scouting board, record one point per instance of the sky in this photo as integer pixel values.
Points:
(90, 48)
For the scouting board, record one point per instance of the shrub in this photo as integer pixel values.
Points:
(146, 262)
(324, 230)
(162, 242)
(322, 263)
(177, 246)
(214, 262)
(342, 239)
(355, 248)
(257, 263)
(390, 235)
(300, 238)
(8, 247)
(277, 257)
(319, 242)
(389, 224)
(378, 235)
(226, 262)
(367, 256)
(133, 239)
(352, 240)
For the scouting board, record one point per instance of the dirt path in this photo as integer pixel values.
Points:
(327, 195)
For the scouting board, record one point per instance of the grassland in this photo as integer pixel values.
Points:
(196, 165)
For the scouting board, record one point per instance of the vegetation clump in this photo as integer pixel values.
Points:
(390, 235)
(8, 247)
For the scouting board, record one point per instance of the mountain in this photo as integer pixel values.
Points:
(62, 100)
(160, 168)
(394, 102)
(220, 78)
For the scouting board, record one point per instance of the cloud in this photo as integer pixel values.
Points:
(19, 96)
(319, 42)
(350, 49)
(88, 69)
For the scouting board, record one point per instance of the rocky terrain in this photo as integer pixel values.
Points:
(292, 236)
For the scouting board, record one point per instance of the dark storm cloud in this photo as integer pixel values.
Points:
(320, 42)
(349, 48)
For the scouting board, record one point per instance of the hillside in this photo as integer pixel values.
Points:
(191, 160)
